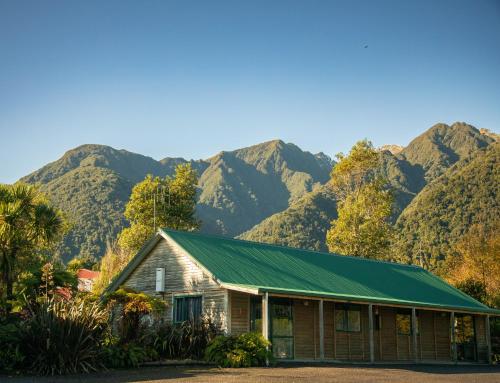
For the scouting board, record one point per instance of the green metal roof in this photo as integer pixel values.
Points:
(293, 271)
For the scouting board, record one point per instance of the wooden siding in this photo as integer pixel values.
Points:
(481, 342)
(427, 336)
(388, 334)
(306, 329)
(182, 276)
(329, 329)
(240, 312)
(443, 341)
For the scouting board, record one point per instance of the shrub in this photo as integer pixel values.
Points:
(121, 355)
(64, 336)
(11, 355)
(184, 340)
(133, 307)
(246, 350)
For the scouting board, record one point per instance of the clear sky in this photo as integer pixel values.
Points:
(191, 78)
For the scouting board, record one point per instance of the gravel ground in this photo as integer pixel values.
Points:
(284, 374)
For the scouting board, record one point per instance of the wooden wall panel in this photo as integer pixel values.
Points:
(481, 343)
(182, 276)
(329, 329)
(443, 344)
(427, 346)
(305, 328)
(388, 334)
(240, 312)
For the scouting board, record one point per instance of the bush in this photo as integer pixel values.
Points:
(187, 340)
(64, 336)
(246, 350)
(121, 355)
(134, 307)
(11, 355)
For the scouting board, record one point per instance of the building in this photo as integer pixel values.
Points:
(86, 279)
(312, 305)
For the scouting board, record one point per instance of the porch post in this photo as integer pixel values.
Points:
(414, 330)
(488, 337)
(370, 330)
(321, 331)
(452, 337)
(265, 318)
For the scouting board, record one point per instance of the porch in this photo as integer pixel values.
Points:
(313, 329)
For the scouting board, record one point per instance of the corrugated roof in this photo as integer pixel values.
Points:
(288, 270)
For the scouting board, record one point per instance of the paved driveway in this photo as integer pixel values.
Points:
(285, 374)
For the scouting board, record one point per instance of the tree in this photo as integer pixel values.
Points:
(362, 227)
(476, 263)
(364, 205)
(112, 263)
(28, 225)
(78, 263)
(156, 202)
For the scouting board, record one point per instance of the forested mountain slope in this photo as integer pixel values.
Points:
(408, 172)
(238, 189)
(466, 194)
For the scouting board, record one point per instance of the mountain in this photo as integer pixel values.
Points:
(442, 145)
(241, 188)
(238, 189)
(303, 224)
(408, 172)
(466, 194)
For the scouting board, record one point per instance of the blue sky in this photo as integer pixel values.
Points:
(191, 78)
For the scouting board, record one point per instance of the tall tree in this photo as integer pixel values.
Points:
(156, 202)
(28, 224)
(364, 205)
(475, 268)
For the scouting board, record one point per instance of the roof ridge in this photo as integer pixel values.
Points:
(290, 248)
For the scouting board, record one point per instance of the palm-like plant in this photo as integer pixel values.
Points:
(27, 223)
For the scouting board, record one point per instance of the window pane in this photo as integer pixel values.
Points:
(256, 314)
(354, 320)
(180, 309)
(339, 320)
(187, 308)
(403, 323)
(282, 348)
(195, 308)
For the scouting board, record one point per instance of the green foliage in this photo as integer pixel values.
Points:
(28, 225)
(31, 283)
(78, 263)
(156, 202)
(245, 350)
(353, 171)
(11, 355)
(111, 264)
(441, 214)
(362, 227)
(475, 289)
(365, 205)
(117, 354)
(64, 336)
(186, 340)
(133, 307)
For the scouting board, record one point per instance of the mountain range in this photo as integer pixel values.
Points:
(272, 192)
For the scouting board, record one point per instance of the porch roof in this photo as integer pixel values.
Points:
(276, 269)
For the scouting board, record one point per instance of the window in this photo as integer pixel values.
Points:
(256, 314)
(347, 318)
(187, 308)
(403, 322)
